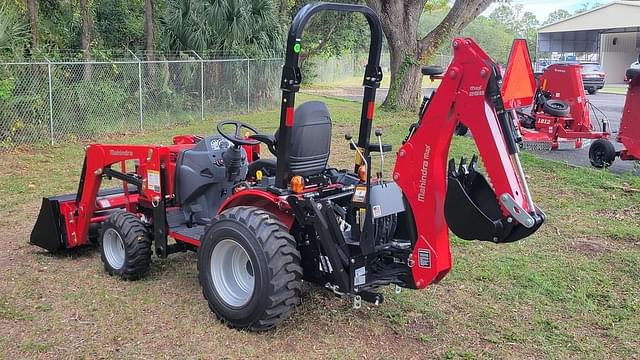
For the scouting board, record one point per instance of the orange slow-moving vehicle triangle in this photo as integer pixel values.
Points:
(519, 85)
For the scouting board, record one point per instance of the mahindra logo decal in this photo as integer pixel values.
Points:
(120, 153)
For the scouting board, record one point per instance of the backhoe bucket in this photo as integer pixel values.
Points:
(472, 209)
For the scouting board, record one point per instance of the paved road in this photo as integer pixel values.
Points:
(609, 104)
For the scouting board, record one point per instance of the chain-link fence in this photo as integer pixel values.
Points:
(348, 69)
(55, 102)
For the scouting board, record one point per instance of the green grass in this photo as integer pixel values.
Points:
(621, 90)
(571, 290)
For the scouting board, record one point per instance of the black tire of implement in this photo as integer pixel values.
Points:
(555, 107)
(602, 153)
(592, 91)
(276, 261)
(137, 246)
(461, 129)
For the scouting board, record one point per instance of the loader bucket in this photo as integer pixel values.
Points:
(472, 210)
(48, 232)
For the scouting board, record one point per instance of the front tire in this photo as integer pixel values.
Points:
(249, 269)
(602, 153)
(125, 246)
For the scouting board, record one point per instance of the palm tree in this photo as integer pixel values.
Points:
(227, 27)
(32, 7)
(13, 33)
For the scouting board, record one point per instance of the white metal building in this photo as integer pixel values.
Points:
(611, 31)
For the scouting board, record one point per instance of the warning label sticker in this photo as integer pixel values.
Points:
(360, 276)
(377, 211)
(153, 180)
(360, 195)
(424, 258)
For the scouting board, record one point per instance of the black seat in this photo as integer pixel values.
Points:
(310, 144)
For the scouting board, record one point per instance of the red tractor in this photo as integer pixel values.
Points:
(560, 111)
(260, 227)
(602, 153)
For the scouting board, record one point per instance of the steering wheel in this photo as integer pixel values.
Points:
(237, 138)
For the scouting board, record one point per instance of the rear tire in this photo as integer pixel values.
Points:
(592, 91)
(555, 107)
(249, 269)
(125, 246)
(602, 153)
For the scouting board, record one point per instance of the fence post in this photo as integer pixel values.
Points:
(50, 102)
(248, 88)
(140, 92)
(201, 85)
(139, 86)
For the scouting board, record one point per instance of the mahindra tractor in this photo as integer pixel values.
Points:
(261, 227)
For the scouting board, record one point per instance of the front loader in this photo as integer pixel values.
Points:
(261, 226)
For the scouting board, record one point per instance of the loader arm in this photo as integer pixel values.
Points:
(444, 196)
(69, 217)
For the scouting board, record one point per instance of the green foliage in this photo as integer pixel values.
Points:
(228, 27)
(494, 38)
(556, 16)
(120, 23)
(6, 86)
(13, 31)
(519, 23)
(586, 6)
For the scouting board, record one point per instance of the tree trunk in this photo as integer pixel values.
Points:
(32, 7)
(400, 24)
(149, 30)
(85, 36)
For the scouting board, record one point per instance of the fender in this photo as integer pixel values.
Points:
(264, 200)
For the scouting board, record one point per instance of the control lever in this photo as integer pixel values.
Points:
(348, 137)
(379, 136)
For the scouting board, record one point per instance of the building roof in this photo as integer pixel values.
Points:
(615, 15)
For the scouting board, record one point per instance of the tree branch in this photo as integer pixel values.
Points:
(460, 15)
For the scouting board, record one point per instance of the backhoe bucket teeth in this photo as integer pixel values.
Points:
(472, 209)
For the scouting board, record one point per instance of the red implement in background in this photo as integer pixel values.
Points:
(629, 134)
(559, 106)
(602, 152)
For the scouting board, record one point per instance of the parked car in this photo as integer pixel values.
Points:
(592, 76)
(632, 71)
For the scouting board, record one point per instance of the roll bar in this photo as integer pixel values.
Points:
(292, 77)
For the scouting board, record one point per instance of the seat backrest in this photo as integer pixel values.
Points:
(310, 139)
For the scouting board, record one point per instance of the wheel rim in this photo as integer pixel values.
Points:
(232, 273)
(598, 156)
(113, 246)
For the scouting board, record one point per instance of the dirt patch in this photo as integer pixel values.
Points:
(591, 249)
(626, 214)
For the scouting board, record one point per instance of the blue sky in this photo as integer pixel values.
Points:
(542, 8)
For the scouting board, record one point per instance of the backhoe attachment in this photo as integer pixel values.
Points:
(444, 195)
